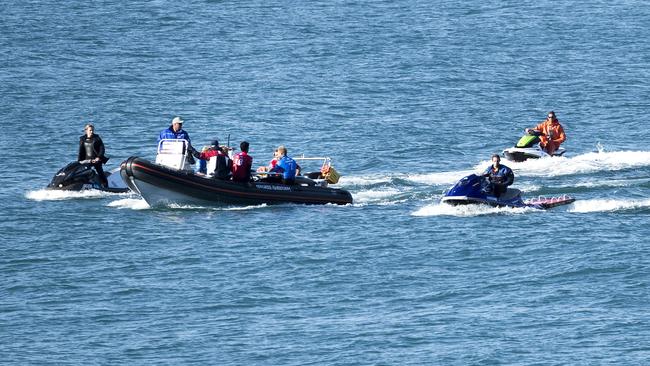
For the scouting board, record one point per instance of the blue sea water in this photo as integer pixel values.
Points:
(406, 97)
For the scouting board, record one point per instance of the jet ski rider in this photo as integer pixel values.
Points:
(550, 133)
(91, 151)
(499, 176)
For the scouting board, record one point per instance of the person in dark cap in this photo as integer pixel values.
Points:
(219, 165)
(500, 176)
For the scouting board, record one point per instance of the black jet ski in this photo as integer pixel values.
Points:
(528, 148)
(474, 189)
(76, 177)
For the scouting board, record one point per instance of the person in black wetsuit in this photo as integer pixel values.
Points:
(91, 151)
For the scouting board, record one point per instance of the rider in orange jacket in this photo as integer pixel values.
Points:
(551, 133)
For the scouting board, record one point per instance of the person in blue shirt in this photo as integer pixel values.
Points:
(287, 166)
(176, 132)
(499, 176)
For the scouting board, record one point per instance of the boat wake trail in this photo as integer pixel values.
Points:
(141, 204)
(56, 195)
(442, 209)
(380, 196)
(609, 205)
(588, 163)
(130, 203)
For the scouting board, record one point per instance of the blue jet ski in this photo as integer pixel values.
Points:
(474, 189)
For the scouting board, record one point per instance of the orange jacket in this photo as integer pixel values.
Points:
(552, 128)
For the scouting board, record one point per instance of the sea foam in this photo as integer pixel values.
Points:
(608, 205)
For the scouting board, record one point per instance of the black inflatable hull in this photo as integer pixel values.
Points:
(163, 186)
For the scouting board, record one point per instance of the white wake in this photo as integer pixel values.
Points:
(57, 195)
(443, 209)
(608, 205)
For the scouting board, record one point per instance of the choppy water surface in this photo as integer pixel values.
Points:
(406, 98)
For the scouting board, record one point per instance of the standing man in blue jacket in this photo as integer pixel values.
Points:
(176, 132)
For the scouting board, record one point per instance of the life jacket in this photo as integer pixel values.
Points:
(503, 175)
(220, 165)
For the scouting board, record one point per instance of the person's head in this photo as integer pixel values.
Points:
(282, 151)
(177, 124)
(214, 144)
(89, 129)
(244, 146)
(551, 116)
(496, 159)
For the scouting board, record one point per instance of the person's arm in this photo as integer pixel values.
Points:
(101, 150)
(101, 154)
(509, 177)
(562, 136)
(276, 169)
(539, 128)
(81, 155)
(249, 168)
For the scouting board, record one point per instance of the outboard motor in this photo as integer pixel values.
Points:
(74, 176)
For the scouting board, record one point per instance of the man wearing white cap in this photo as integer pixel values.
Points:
(175, 131)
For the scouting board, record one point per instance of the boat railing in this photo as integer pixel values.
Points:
(173, 153)
(327, 171)
(324, 176)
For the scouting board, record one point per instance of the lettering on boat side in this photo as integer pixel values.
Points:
(273, 187)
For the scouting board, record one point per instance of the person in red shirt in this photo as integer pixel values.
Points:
(271, 165)
(551, 133)
(242, 163)
(223, 163)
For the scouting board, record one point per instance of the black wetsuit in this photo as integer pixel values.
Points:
(91, 148)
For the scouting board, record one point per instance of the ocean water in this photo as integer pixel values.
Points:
(406, 97)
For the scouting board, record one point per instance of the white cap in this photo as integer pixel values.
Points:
(177, 120)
